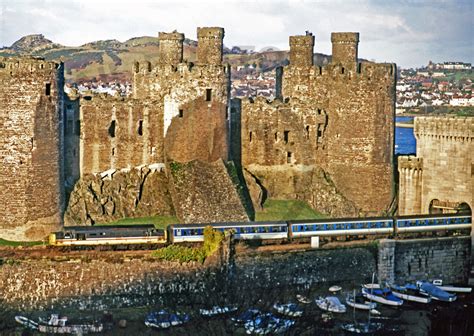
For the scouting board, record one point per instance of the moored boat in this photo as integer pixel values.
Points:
(164, 319)
(61, 325)
(30, 324)
(335, 288)
(217, 310)
(331, 303)
(435, 292)
(362, 328)
(289, 309)
(453, 289)
(265, 324)
(410, 292)
(382, 295)
(302, 299)
(359, 302)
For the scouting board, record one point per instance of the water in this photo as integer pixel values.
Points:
(405, 142)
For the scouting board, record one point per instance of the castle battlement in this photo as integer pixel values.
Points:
(409, 163)
(11, 66)
(455, 128)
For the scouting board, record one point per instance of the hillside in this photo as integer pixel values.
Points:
(111, 59)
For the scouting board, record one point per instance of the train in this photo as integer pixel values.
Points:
(266, 230)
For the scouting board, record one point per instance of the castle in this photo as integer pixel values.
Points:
(327, 138)
(440, 179)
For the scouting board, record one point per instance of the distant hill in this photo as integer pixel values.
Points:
(112, 59)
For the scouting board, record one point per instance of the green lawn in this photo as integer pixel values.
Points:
(286, 209)
(4, 242)
(160, 221)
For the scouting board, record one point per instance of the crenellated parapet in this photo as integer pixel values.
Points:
(19, 66)
(454, 128)
(409, 163)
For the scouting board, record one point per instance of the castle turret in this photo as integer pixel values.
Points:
(210, 45)
(301, 50)
(344, 48)
(171, 48)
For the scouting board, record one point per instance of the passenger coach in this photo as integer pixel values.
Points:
(341, 227)
(242, 230)
(421, 223)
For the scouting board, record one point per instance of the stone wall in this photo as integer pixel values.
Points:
(441, 177)
(119, 133)
(31, 147)
(447, 259)
(337, 117)
(114, 194)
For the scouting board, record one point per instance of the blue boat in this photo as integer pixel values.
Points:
(435, 292)
(248, 315)
(382, 295)
(164, 319)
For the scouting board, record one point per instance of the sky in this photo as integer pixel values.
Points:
(407, 32)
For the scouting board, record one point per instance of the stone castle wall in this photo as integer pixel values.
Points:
(441, 176)
(338, 117)
(31, 147)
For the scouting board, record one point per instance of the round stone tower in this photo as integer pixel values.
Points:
(31, 148)
(210, 45)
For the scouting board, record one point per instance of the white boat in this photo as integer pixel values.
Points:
(335, 288)
(216, 310)
(331, 303)
(30, 324)
(289, 309)
(410, 292)
(302, 299)
(359, 302)
(372, 286)
(453, 289)
(60, 325)
(383, 296)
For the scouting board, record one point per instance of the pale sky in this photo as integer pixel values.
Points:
(407, 32)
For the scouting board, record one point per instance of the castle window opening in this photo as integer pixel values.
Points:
(342, 70)
(113, 151)
(208, 94)
(112, 129)
(47, 90)
(250, 136)
(180, 113)
(78, 127)
(359, 68)
(286, 136)
(289, 157)
(276, 136)
(140, 128)
(307, 132)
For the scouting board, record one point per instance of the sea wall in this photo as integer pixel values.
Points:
(425, 259)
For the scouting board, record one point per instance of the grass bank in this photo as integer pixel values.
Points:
(274, 210)
(4, 242)
(160, 222)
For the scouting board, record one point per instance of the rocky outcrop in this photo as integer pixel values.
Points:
(204, 192)
(309, 183)
(114, 194)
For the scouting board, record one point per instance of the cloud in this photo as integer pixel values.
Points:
(407, 32)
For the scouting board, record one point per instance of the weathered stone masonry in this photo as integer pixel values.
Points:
(31, 147)
(338, 118)
(441, 176)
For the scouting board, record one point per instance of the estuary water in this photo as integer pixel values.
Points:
(405, 142)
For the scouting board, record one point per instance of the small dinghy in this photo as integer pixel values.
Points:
(267, 324)
(359, 302)
(26, 322)
(164, 319)
(289, 309)
(383, 295)
(435, 292)
(302, 299)
(334, 289)
(410, 292)
(331, 304)
(453, 289)
(216, 310)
